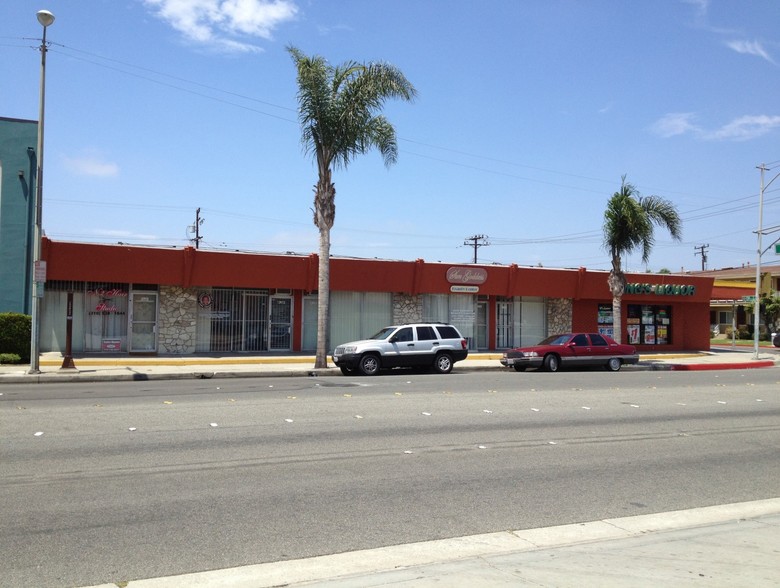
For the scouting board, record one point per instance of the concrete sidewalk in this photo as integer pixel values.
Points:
(719, 546)
(97, 368)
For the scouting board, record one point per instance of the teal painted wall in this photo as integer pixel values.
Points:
(18, 140)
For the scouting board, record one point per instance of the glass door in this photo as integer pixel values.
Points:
(143, 321)
(281, 323)
(482, 327)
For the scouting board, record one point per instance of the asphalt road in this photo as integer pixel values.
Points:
(134, 480)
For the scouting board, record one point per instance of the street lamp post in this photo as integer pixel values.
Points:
(45, 18)
(757, 301)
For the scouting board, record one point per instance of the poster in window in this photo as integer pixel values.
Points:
(662, 335)
(608, 331)
(605, 314)
(649, 335)
(647, 315)
(633, 334)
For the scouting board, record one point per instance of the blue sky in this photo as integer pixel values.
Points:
(528, 114)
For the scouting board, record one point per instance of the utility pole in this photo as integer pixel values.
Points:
(476, 241)
(196, 228)
(703, 252)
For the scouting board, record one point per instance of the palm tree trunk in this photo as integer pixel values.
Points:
(323, 299)
(324, 216)
(617, 285)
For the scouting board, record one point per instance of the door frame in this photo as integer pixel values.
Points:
(131, 320)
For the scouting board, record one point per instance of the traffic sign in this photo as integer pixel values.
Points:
(777, 248)
(748, 299)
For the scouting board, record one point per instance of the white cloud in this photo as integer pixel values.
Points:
(218, 23)
(742, 128)
(91, 166)
(673, 124)
(123, 234)
(750, 48)
(745, 128)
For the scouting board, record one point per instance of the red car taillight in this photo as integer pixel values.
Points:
(463, 343)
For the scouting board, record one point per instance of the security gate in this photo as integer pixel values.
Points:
(281, 324)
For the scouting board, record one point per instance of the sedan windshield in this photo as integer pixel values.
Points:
(555, 340)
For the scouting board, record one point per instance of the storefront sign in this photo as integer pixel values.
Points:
(466, 275)
(205, 299)
(106, 304)
(111, 345)
(107, 293)
(661, 289)
(464, 289)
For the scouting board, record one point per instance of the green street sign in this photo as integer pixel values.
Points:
(748, 299)
(777, 248)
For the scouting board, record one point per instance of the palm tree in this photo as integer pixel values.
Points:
(337, 109)
(629, 223)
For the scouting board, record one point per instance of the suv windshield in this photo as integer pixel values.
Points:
(383, 334)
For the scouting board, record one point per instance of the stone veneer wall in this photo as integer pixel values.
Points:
(559, 315)
(178, 320)
(406, 309)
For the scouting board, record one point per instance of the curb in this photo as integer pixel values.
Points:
(354, 568)
(68, 376)
(727, 366)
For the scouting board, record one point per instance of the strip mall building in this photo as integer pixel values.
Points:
(131, 299)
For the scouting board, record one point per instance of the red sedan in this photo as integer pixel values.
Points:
(571, 350)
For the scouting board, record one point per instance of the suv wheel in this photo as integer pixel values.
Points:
(443, 363)
(369, 365)
(347, 371)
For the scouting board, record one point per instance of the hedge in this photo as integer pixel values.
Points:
(15, 329)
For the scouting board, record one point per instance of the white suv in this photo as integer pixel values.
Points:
(435, 345)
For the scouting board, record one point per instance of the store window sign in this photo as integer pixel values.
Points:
(466, 275)
(205, 299)
(106, 304)
(661, 289)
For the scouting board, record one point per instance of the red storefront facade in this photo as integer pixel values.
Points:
(183, 301)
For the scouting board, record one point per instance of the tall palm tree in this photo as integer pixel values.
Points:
(629, 223)
(337, 109)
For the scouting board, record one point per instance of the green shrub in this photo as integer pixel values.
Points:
(15, 329)
(9, 358)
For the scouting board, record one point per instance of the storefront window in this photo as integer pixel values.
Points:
(605, 320)
(232, 320)
(105, 310)
(649, 324)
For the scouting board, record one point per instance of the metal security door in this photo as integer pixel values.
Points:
(252, 324)
(143, 322)
(281, 324)
(504, 338)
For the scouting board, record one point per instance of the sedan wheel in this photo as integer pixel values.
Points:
(369, 365)
(552, 363)
(614, 364)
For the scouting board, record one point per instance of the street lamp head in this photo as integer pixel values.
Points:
(45, 17)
